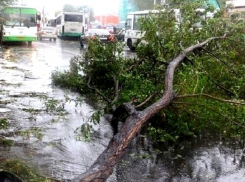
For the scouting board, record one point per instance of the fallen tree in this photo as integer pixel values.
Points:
(192, 75)
(102, 168)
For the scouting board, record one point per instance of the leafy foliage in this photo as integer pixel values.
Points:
(67, 79)
(6, 2)
(209, 83)
(23, 171)
(215, 70)
(149, 4)
(4, 123)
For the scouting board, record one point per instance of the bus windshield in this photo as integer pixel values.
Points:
(20, 17)
(73, 18)
(136, 20)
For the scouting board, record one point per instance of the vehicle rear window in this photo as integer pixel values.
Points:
(74, 18)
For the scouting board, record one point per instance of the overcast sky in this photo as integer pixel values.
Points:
(99, 6)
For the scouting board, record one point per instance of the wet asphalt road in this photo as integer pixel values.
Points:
(48, 141)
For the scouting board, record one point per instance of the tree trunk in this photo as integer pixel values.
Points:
(102, 168)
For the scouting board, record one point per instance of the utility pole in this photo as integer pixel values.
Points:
(88, 18)
(43, 16)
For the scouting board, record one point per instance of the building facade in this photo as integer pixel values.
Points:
(125, 6)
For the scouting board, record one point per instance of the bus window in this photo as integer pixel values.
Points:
(128, 24)
(74, 18)
(58, 20)
(28, 20)
(136, 19)
(12, 19)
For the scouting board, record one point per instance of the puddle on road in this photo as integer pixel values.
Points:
(4, 110)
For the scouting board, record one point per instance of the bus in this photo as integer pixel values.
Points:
(18, 23)
(132, 32)
(70, 24)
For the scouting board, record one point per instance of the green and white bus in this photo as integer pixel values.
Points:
(19, 23)
(70, 24)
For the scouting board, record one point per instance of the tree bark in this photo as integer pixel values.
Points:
(102, 168)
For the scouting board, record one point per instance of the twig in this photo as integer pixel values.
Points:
(223, 88)
(211, 97)
(146, 100)
(222, 62)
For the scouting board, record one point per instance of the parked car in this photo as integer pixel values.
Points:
(102, 34)
(111, 29)
(47, 33)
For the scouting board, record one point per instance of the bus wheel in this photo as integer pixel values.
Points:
(29, 43)
(54, 39)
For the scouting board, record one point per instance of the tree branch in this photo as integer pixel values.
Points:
(223, 88)
(146, 100)
(211, 97)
